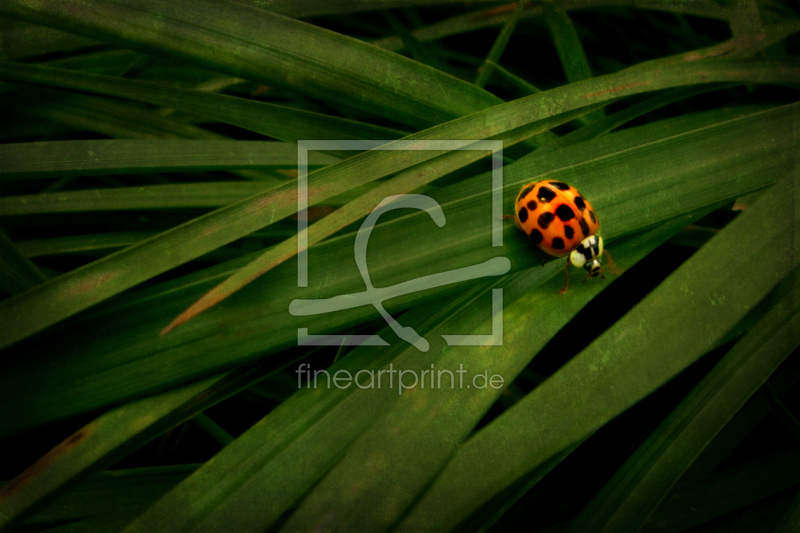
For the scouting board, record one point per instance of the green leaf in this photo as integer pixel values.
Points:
(280, 122)
(73, 158)
(81, 243)
(405, 182)
(485, 71)
(729, 493)
(617, 172)
(662, 335)
(791, 520)
(113, 491)
(496, 16)
(108, 276)
(644, 480)
(229, 37)
(170, 196)
(17, 274)
(372, 484)
(114, 435)
(23, 40)
(570, 51)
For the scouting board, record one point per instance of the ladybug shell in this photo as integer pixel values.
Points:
(555, 216)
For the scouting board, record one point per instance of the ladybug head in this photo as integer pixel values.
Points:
(587, 255)
(594, 267)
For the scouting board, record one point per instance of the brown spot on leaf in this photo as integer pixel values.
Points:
(41, 465)
(615, 89)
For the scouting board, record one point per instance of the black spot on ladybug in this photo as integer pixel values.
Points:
(545, 219)
(523, 214)
(580, 249)
(536, 236)
(591, 215)
(559, 185)
(579, 203)
(565, 212)
(584, 227)
(546, 194)
(558, 243)
(532, 205)
(525, 192)
(569, 232)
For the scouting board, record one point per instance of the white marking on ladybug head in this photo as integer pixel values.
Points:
(587, 254)
(576, 257)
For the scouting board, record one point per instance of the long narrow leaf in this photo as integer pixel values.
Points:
(277, 121)
(235, 221)
(662, 335)
(570, 50)
(17, 274)
(637, 488)
(65, 158)
(112, 436)
(616, 171)
(255, 44)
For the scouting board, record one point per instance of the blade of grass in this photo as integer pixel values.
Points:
(791, 520)
(113, 118)
(630, 184)
(688, 506)
(485, 71)
(314, 8)
(230, 37)
(404, 182)
(745, 17)
(105, 523)
(726, 501)
(417, 49)
(280, 122)
(252, 458)
(373, 484)
(516, 81)
(606, 124)
(118, 156)
(114, 435)
(737, 429)
(113, 491)
(227, 224)
(268, 262)
(495, 16)
(628, 499)
(662, 335)
(212, 429)
(173, 196)
(570, 51)
(17, 274)
(81, 243)
(25, 40)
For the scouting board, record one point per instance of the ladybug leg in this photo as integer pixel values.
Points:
(514, 217)
(546, 259)
(566, 277)
(611, 266)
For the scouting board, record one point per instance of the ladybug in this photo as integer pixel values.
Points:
(559, 220)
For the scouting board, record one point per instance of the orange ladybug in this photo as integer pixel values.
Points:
(559, 220)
